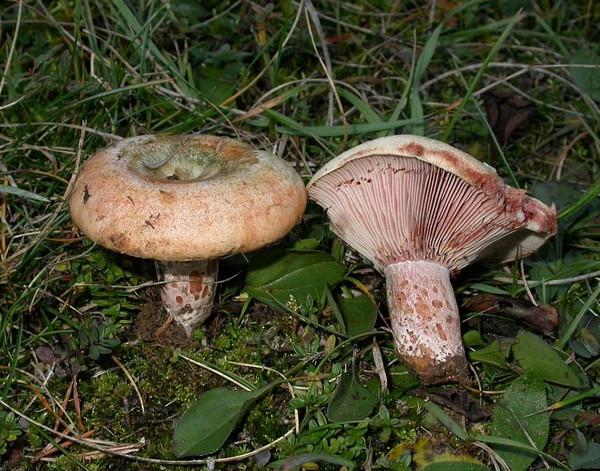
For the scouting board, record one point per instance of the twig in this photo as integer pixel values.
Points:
(217, 372)
(131, 380)
(12, 46)
(92, 445)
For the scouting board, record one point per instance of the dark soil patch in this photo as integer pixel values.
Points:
(151, 325)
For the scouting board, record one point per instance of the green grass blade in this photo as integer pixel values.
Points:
(564, 339)
(295, 128)
(512, 443)
(370, 115)
(490, 57)
(11, 190)
(588, 197)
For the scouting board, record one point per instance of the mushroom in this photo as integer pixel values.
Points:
(421, 211)
(185, 201)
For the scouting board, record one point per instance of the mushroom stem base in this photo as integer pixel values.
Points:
(425, 321)
(188, 290)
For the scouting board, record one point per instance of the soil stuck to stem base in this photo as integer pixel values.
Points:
(152, 324)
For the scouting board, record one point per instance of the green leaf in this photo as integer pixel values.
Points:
(475, 81)
(507, 442)
(586, 78)
(446, 420)
(369, 114)
(526, 395)
(293, 127)
(359, 314)
(491, 355)
(11, 190)
(351, 400)
(205, 426)
(455, 466)
(277, 275)
(416, 106)
(485, 288)
(540, 359)
(585, 455)
(294, 462)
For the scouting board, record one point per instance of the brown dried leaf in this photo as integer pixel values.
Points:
(543, 319)
(506, 112)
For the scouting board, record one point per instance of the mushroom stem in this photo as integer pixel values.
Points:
(425, 321)
(188, 290)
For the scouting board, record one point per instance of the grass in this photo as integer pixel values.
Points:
(312, 79)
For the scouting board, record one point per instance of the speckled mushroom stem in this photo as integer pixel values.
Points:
(188, 291)
(425, 321)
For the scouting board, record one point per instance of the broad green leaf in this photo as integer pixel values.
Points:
(446, 420)
(359, 314)
(492, 355)
(276, 276)
(585, 455)
(540, 359)
(205, 426)
(507, 442)
(472, 338)
(351, 400)
(512, 420)
(306, 244)
(586, 78)
(455, 466)
(294, 462)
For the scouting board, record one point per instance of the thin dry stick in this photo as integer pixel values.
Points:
(525, 284)
(562, 281)
(217, 372)
(103, 134)
(290, 387)
(565, 153)
(52, 216)
(380, 367)
(276, 56)
(131, 380)
(12, 46)
(497, 460)
(311, 15)
(92, 445)
(326, 67)
(64, 403)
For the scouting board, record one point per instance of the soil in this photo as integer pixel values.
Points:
(151, 325)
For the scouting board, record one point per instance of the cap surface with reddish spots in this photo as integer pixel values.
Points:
(405, 197)
(179, 198)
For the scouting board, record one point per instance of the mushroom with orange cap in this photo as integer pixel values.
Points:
(421, 211)
(185, 201)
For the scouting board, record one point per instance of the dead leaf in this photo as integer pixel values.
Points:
(506, 112)
(543, 319)
(458, 401)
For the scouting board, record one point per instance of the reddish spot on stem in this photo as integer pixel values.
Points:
(179, 300)
(441, 332)
(196, 284)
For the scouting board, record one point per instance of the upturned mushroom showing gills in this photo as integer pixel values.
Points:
(421, 211)
(185, 201)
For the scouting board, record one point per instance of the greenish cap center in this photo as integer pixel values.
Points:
(186, 158)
